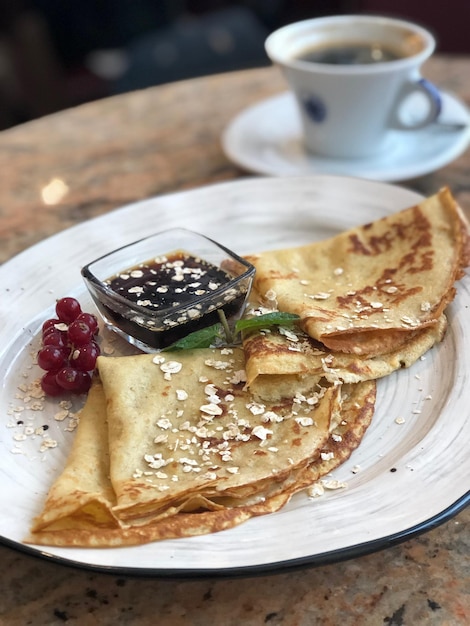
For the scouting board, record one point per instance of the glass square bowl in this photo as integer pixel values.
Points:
(156, 290)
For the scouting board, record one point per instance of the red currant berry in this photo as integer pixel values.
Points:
(90, 320)
(50, 324)
(68, 309)
(49, 385)
(83, 382)
(51, 358)
(67, 378)
(79, 333)
(70, 379)
(84, 357)
(55, 337)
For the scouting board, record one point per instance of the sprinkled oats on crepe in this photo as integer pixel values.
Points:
(371, 289)
(278, 360)
(150, 463)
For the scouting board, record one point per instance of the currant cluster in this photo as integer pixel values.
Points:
(69, 349)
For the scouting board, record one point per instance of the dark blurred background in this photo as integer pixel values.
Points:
(56, 54)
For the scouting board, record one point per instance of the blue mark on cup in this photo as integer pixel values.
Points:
(315, 108)
(434, 94)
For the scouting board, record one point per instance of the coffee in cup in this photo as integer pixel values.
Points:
(352, 77)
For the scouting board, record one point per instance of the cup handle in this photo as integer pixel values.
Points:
(434, 102)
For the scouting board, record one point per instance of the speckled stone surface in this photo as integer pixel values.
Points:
(156, 141)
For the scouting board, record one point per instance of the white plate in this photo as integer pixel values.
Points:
(267, 139)
(411, 476)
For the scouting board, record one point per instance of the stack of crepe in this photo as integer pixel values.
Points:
(192, 442)
(173, 446)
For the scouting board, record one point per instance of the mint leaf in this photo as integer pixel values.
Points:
(277, 318)
(207, 337)
(203, 338)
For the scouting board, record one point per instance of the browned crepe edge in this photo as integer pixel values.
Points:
(357, 416)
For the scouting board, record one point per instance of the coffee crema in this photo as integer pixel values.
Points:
(350, 54)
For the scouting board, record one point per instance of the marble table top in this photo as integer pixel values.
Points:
(121, 149)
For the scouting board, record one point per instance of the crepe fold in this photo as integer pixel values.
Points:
(174, 445)
(279, 359)
(372, 289)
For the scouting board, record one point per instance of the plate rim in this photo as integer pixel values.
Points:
(273, 568)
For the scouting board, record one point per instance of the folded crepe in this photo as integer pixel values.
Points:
(174, 446)
(279, 359)
(183, 425)
(369, 290)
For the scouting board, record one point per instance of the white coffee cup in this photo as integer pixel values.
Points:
(348, 109)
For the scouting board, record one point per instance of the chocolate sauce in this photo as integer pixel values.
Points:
(180, 292)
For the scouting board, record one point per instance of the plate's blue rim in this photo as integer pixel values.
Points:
(277, 567)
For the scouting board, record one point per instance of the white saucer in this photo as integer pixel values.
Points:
(267, 139)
